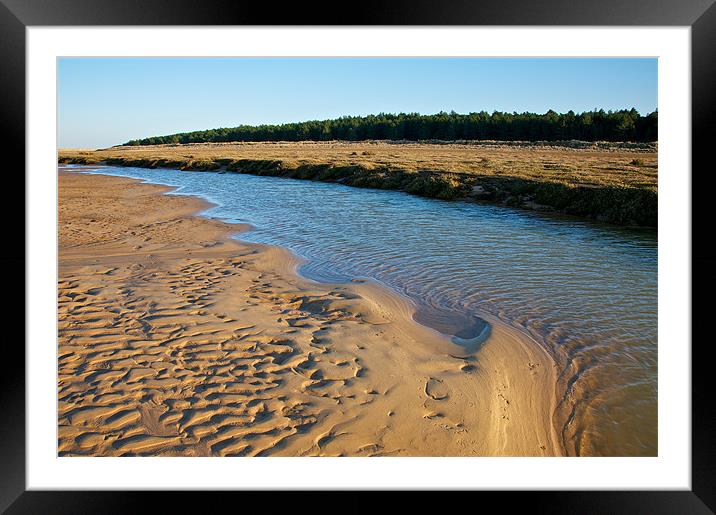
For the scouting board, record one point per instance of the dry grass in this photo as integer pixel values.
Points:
(612, 182)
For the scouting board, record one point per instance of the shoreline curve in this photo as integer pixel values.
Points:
(509, 381)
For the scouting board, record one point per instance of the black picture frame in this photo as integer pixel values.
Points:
(700, 15)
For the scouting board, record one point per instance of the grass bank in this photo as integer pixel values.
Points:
(615, 183)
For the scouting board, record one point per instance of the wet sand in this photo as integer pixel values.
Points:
(176, 340)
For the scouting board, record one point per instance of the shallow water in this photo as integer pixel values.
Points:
(586, 291)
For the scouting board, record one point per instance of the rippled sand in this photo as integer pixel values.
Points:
(175, 340)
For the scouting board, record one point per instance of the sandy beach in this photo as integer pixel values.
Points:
(176, 340)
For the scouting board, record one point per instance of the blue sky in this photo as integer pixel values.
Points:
(107, 101)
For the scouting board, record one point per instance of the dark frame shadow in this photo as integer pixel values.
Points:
(700, 15)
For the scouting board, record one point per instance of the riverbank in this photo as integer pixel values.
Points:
(611, 182)
(176, 340)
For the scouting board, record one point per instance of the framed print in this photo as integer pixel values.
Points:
(437, 248)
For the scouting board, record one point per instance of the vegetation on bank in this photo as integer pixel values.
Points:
(508, 178)
(623, 125)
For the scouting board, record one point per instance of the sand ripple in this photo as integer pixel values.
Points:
(174, 340)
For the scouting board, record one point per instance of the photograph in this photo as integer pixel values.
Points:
(442, 249)
(357, 256)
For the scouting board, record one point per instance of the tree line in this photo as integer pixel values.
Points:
(597, 125)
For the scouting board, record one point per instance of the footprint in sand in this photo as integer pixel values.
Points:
(436, 389)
